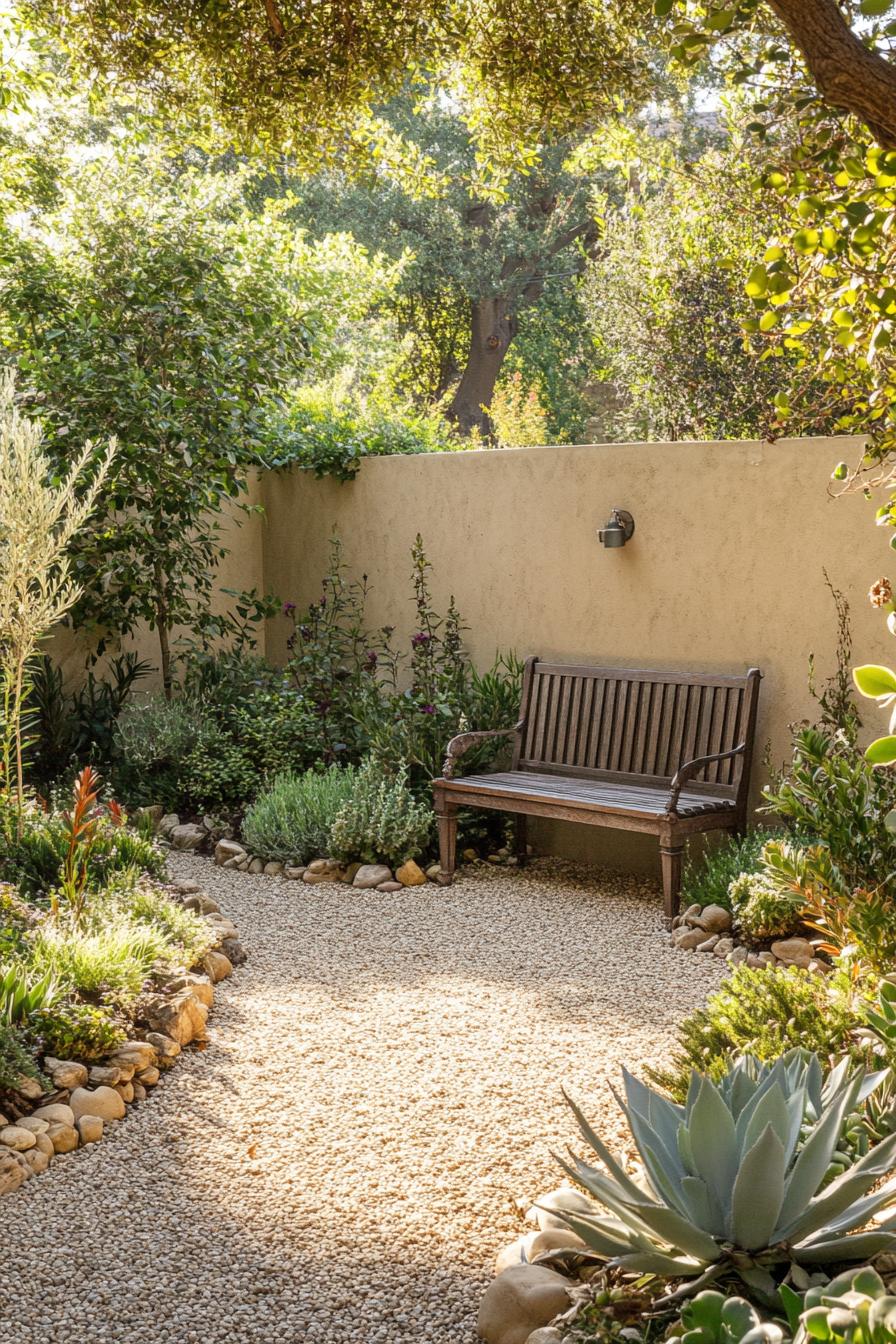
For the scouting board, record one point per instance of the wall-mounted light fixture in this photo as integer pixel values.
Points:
(618, 529)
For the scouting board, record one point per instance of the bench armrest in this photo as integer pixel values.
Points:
(464, 741)
(691, 768)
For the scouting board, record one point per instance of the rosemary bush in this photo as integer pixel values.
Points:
(292, 820)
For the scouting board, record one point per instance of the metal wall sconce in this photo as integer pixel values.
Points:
(618, 529)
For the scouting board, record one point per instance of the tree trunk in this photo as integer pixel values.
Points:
(847, 74)
(492, 328)
(164, 629)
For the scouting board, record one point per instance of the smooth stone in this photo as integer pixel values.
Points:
(64, 1138)
(723, 947)
(66, 1073)
(390, 886)
(188, 837)
(273, 869)
(715, 919)
(216, 965)
(471, 855)
(547, 1334)
(686, 939)
(148, 1077)
(90, 1128)
(28, 1087)
(201, 904)
(565, 1198)
(794, 951)
(526, 1249)
(57, 1113)
(433, 872)
(137, 1054)
(168, 823)
(708, 943)
(139, 1091)
(410, 874)
(200, 985)
(295, 872)
(234, 951)
(519, 1301)
(739, 955)
(227, 850)
(125, 1091)
(103, 1101)
(44, 1144)
(371, 875)
(166, 1047)
(35, 1123)
(37, 1160)
(107, 1074)
(17, 1138)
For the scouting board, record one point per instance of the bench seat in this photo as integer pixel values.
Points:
(664, 752)
(606, 796)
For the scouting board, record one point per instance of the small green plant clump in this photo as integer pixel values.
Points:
(382, 821)
(762, 1012)
(292, 821)
(762, 910)
(707, 880)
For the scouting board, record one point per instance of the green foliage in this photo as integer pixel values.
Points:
(15, 1057)
(154, 304)
(879, 684)
(518, 418)
(35, 859)
(381, 821)
(75, 728)
(21, 994)
(292, 820)
(761, 909)
(186, 934)
(733, 1178)
(153, 739)
(712, 1318)
(331, 439)
(762, 1013)
(74, 1030)
(707, 880)
(854, 1308)
(666, 305)
(830, 792)
(106, 962)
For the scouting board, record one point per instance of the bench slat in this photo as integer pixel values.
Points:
(598, 794)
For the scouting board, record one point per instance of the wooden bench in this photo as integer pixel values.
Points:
(668, 753)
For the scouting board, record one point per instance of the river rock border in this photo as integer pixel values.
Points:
(37, 1126)
(710, 928)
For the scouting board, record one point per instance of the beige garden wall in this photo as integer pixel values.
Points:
(725, 571)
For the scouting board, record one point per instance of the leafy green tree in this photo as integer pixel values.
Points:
(153, 306)
(666, 301)
(477, 269)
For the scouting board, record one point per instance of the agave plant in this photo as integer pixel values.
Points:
(733, 1181)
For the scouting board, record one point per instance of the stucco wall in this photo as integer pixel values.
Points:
(726, 568)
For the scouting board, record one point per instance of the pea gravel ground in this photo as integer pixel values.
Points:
(382, 1086)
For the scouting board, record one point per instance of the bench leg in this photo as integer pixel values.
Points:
(521, 838)
(446, 817)
(671, 855)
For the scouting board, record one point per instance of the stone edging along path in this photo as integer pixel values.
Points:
(39, 1126)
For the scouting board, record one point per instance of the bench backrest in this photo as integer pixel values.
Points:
(640, 725)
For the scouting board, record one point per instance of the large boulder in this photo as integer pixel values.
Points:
(519, 1301)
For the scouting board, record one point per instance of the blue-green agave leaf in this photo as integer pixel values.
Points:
(713, 1142)
(758, 1192)
(862, 1246)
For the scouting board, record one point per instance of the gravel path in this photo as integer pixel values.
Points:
(382, 1084)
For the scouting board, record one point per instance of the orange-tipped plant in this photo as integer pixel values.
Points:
(81, 824)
